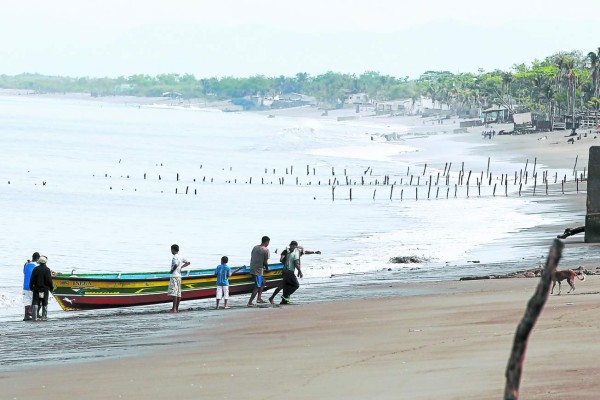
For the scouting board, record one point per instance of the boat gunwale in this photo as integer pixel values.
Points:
(167, 276)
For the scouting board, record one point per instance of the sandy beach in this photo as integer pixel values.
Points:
(430, 340)
(450, 345)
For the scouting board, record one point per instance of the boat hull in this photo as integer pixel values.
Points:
(97, 291)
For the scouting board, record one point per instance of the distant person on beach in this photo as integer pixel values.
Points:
(259, 260)
(290, 258)
(223, 273)
(177, 264)
(27, 293)
(41, 285)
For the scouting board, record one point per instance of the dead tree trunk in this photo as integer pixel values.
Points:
(532, 312)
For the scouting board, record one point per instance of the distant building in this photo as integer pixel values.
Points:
(418, 106)
(358, 98)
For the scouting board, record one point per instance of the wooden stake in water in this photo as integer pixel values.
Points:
(575, 166)
(429, 191)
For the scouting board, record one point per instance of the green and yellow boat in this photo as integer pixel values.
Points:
(110, 290)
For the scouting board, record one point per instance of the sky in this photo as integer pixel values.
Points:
(244, 38)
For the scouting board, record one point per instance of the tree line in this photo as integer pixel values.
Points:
(562, 83)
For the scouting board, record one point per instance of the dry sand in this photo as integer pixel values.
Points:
(453, 345)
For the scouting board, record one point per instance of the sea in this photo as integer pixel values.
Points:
(104, 187)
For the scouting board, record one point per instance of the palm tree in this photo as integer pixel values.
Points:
(595, 71)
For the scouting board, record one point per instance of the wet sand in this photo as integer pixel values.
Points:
(450, 345)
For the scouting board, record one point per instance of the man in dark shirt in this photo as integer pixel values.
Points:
(41, 285)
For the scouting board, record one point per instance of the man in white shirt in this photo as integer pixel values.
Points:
(177, 264)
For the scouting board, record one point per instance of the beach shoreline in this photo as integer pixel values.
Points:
(334, 344)
(451, 343)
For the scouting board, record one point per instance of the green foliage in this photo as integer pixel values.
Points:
(560, 82)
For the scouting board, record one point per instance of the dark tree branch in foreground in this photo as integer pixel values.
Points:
(533, 311)
(571, 231)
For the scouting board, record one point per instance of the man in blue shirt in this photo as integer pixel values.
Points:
(27, 294)
(223, 273)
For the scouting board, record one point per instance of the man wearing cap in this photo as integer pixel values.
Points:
(41, 285)
(27, 294)
(290, 258)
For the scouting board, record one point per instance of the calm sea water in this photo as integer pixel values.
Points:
(105, 187)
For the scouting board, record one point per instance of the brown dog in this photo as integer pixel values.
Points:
(569, 275)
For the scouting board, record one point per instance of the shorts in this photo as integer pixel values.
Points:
(258, 280)
(174, 287)
(222, 292)
(41, 297)
(27, 297)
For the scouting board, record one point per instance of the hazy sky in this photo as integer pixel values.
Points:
(242, 38)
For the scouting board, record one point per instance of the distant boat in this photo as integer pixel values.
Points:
(111, 290)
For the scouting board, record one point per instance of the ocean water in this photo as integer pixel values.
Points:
(109, 187)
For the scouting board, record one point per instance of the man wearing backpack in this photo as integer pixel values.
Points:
(290, 258)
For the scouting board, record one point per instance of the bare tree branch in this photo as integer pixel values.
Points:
(532, 312)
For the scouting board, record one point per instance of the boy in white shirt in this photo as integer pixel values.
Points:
(177, 264)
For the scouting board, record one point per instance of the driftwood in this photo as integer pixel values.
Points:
(570, 232)
(532, 312)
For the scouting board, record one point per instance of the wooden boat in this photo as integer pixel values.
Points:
(110, 290)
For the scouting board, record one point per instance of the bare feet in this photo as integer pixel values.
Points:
(271, 300)
(260, 301)
(250, 305)
(227, 307)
